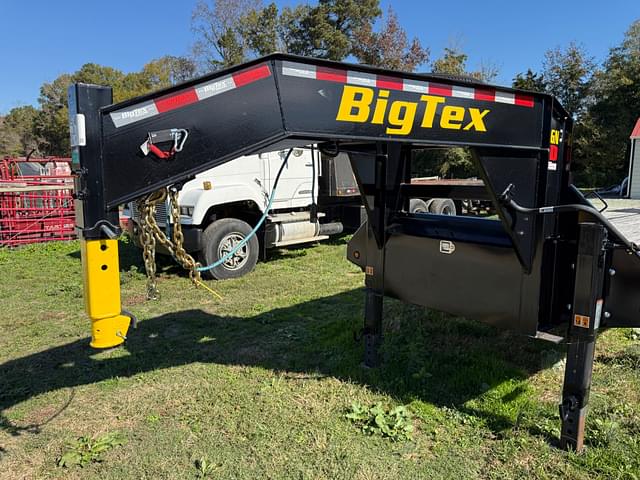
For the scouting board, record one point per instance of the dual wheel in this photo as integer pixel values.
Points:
(439, 206)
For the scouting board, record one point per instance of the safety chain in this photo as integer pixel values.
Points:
(179, 253)
(151, 232)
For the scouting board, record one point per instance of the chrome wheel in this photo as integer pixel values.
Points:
(227, 244)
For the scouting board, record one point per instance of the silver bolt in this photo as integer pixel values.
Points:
(607, 314)
(569, 306)
(612, 272)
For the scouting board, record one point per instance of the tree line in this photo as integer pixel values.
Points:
(604, 100)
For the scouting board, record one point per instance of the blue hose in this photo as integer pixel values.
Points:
(243, 242)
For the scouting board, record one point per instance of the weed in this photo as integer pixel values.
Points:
(633, 334)
(85, 450)
(204, 468)
(392, 423)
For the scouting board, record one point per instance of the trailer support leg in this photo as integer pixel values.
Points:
(587, 309)
(372, 327)
(575, 393)
(381, 180)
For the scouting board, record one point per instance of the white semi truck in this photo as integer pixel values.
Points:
(317, 196)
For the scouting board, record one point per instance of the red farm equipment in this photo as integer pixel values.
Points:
(36, 203)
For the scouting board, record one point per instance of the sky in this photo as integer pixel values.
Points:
(41, 39)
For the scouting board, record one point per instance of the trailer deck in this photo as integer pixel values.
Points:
(626, 218)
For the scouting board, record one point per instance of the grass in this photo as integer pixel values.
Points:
(259, 385)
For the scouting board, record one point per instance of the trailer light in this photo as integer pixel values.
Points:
(347, 191)
(206, 185)
(187, 211)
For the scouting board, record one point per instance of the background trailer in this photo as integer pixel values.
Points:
(551, 261)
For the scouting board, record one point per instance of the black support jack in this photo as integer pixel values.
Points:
(583, 330)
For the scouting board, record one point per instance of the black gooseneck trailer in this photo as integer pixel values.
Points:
(550, 260)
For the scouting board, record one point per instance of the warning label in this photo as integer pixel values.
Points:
(582, 321)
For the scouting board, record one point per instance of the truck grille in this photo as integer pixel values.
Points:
(161, 213)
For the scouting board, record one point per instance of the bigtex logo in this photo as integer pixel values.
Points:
(357, 105)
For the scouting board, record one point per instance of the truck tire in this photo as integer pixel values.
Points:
(442, 206)
(219, 238)
(418, 206)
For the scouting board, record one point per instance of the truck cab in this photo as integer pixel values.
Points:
(316, 197)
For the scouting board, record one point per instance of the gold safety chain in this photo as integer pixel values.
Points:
(151, 232)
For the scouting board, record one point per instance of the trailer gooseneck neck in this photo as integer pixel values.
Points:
(549, 260)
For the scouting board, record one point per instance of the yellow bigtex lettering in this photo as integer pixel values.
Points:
(357, 105)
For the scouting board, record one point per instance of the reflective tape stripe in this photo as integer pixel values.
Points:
(415, 86)
(133, 114)
(178, 100)
(215, 87)
(505, 97)
(298, 70)
(361, 78)
(330, 74)
(392, 83)
(191, 95)
(462, 92)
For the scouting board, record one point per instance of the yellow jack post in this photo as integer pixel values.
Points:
(101, 278)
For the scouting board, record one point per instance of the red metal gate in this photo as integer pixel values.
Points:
(36, 203)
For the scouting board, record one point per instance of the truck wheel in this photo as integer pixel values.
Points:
(442, 206)
(220, 238)
(418, 206)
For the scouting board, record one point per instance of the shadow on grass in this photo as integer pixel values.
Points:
(440, 359)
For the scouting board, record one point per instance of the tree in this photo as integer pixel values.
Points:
(51, 121)
(454, 62)
(231, 31)
(261, 30)
(530, 81)
(615, 108)
(389, 48)
(328, 29)
(217, 26)
(167, 71)
(568, 75)
(17, 133)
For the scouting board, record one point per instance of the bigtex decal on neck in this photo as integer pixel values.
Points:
(356, 106)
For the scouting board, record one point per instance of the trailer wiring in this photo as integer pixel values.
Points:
(233, 251)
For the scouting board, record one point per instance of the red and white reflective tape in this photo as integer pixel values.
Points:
(194, 94)
(487, 94)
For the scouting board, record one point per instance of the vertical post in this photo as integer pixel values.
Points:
(587, 310)
(374, 270)
(390, 170)
(97, 228)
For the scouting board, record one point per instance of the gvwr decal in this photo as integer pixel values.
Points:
(361, 105)
(554, 141)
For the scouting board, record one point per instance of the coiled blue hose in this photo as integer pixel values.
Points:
(243, 242)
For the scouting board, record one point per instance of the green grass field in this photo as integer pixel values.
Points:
(258, 385)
